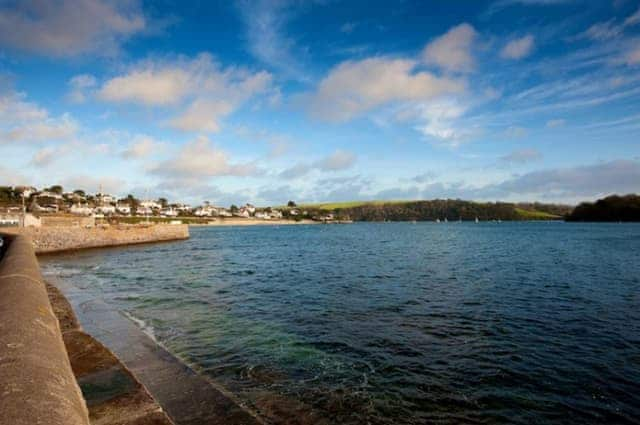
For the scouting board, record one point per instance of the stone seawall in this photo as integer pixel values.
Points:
(37, 385)
(59, 238)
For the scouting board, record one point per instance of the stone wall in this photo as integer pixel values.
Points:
(60, 238)
(68, 220)
(37, 385)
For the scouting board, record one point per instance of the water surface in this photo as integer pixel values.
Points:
(394, 322)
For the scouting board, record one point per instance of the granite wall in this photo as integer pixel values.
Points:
(60, 238)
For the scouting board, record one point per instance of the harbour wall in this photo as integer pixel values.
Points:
(36, 380)
(51, 239)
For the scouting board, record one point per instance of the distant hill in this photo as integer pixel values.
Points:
(611, 208)
(451, 209)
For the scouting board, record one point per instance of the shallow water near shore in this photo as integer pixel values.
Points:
(393, 322)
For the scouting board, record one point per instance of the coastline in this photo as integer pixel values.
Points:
(187, 398)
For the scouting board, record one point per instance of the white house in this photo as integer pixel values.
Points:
(81, 209)
(123, 209)
(250, 208)
(144, 211)
(276, 214)
(151, 204)
(169, 212)
(106, 209)
(105, 198)
(243, 212)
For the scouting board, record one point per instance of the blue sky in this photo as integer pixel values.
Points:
(266, 101)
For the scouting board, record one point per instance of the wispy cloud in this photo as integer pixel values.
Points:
(521, 156)
(266, 22)
(518, 48)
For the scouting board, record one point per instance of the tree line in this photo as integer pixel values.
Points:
(611, 208)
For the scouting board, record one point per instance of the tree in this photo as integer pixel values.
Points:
(233, 208)
(163, 202)
(80, 193)
(291, 204)
(56, 189)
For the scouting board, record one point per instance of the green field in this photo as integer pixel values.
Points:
(536, 215)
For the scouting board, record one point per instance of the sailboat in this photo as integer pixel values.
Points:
(477, 219)
(437, 220)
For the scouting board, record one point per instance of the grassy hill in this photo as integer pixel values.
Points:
(452, 209)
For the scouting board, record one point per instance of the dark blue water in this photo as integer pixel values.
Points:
(395, 323)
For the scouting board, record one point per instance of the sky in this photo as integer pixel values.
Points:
(267, 101)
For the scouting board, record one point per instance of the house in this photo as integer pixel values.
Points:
(202, 212)
(47, 194)
(81, 209)
(49, 208)
(104, 198)
(294, 212)
(263, 215)
(144, 211)
(105, 209)
(223, 212)
(169, 212)
(243, 212)
(250, 208)
(150, 204)
(276, 214)
(183, 208)
(124, 209)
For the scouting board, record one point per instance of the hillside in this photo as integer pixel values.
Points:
(439, 209)
(612, 208)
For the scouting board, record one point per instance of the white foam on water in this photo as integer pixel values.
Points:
(146, 328)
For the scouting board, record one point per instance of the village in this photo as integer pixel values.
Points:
(19, 201)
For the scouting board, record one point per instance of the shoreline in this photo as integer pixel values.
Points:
(186, 396)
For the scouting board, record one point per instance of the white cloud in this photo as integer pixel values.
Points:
(518, 48)
(52, 129)
(211, 92)
(199, 158)
(555, 123)
(150, 85)
(337, 161)
(67, 28)
(202, 115)
(440, 120)
(141, 146)
(354, 87)
(79, 85)
(21, 120)
(453, 50)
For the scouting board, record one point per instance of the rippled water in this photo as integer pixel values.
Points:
(395, 323)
